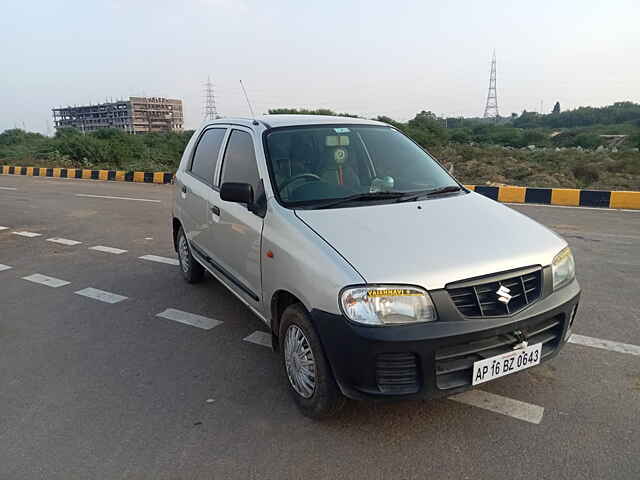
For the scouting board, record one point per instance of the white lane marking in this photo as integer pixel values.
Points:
(45, 280)
(102, 248)
(503, 405)
(600, 209)
(27, 234)
(8, 188)
(155, 258)
(187, 318)
(259, 338)
(4, 228)
(4, 267)
(118, 198)
(63, 241)
(101, 295)
(605, 344)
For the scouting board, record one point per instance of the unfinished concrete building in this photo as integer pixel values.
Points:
(136, 115)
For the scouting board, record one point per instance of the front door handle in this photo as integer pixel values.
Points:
(184, 189)
(215, 210)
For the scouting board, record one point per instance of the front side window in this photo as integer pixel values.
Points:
(205, 157)
(239, 163)
(311, 166)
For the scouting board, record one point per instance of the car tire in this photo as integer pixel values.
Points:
(191, 270)
(297, 336)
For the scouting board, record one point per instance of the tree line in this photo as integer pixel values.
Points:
(107, 148)
(581, 127)
(115, 149)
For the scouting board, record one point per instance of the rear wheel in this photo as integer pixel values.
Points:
(310, 380)
(191, 270)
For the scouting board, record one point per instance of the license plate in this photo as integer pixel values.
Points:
(510, 362)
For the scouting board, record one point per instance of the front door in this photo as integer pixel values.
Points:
(235, 233)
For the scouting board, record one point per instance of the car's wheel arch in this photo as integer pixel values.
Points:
(280, 300)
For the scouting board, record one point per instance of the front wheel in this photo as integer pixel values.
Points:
(310, 380)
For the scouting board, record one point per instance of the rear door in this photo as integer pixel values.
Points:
(197, 183)
(235, 231)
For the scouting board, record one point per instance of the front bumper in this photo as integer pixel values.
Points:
(436, 359)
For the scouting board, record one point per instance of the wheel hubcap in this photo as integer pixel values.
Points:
(183, 251)
(299, 362)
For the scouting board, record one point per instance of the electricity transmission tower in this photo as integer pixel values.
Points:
(209, 110)
(491, 110)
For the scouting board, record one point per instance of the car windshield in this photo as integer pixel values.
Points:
(317, 166)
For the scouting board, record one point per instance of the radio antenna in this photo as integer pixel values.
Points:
(248, 102)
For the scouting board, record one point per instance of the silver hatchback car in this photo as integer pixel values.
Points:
(377, 273)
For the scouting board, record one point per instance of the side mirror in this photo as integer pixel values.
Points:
(237, 192)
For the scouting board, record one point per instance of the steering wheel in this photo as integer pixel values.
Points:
(300, 176)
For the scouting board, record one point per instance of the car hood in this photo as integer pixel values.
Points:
(436, 241)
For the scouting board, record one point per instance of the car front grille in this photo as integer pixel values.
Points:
(397, 373)
(454, 363)
(481, 299)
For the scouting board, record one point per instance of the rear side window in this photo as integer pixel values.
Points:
(240, 161)
(206, 155)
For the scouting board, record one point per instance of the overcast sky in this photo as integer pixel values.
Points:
(366, 57)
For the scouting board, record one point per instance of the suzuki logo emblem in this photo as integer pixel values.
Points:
(503, 295)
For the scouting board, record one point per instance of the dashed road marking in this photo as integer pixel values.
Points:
(4, 267)
(4, 228)
(8, 188)
(63, 241)
(45, 280)
(156, 258)
(605, 344)
(102, 248)
(259, 338)
(101, 295)
(118, 198)
(187, 318)
(503, 405)
(27, 234)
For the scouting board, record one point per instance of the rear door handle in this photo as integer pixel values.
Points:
(215, 210)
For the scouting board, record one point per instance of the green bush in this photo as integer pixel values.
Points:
(587, 140)
(586, 174)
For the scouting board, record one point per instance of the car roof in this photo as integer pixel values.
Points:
(295, 120)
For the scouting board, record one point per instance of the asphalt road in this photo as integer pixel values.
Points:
(90, 389)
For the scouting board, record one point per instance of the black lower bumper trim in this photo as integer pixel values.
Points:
(435, 359)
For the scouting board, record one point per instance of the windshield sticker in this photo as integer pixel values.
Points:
(341, 130)
(393, 292)
(340, 155)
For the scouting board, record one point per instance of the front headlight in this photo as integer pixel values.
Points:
(387, 305)
(563, 267)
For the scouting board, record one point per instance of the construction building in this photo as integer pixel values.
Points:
(136, 115)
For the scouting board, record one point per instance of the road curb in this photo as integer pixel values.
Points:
(570, 197)
(108, 175)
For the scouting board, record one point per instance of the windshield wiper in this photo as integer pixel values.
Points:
(360, 197)
(399, 196)
(447, 189)
(413, 196)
